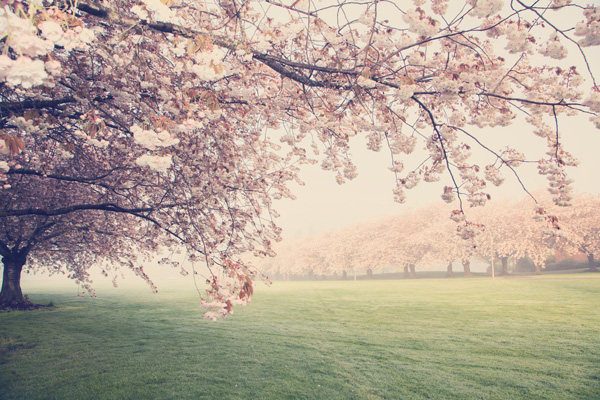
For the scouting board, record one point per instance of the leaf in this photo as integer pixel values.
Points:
(20, 144)
(14, 144)
(218, 68)
(30, 115)
(199, 43)
(191, 47)
(211, 101)
(407, 80)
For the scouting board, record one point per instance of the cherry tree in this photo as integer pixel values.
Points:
(580, 228)
(409, 241)
(180, 109)
(372, 246)
(339, 250)
(356, 248)
(511, 231)
(52, 238)
(447, 244)
(305, 256)
(201, 203)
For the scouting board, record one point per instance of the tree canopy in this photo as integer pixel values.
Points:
(134, 126)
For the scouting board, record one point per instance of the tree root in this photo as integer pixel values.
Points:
(23, 306)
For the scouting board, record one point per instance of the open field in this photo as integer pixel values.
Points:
(399, 339)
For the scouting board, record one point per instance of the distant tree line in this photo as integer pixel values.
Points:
(424, 239)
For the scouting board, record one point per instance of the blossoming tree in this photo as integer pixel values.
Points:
(511, 232)
(580, 228)
(176, 107)
(446, 245)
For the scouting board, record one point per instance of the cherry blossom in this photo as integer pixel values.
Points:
(589, 29)
(26, 72)
(485, 8)
(579, 228)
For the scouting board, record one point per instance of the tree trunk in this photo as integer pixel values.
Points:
(592, 264)
(344, 275)
(369, 273)
(11, 294)
(538, 269)
(413, 274)
(467, 268)
(449, 271)
(504, 265)
(406, 275)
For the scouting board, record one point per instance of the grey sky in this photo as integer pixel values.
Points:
(323, 205)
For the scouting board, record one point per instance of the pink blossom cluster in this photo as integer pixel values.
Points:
(233, 286)
(29, 41)
(485, 8)
(590, 28)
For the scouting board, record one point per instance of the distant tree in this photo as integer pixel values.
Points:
(413, 238)
(580, 228)
(447, 239)
(512, 232)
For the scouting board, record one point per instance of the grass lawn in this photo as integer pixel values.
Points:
(398, 339)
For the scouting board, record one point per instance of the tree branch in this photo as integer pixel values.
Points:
(79, 207)
(91, 180)
(34, 104)
(443, 148)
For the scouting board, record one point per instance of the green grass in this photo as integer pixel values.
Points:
(403, 339)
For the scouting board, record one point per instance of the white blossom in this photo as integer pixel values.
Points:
(560, 3)
(208, 65)
(85, 35)
(151, 140)
(27, 73)
(161, 11)
(367, 17)
(31, 45)
(21, 35)
(493, 175)
(366, 82)
(485, 8)
(590, 29)
(420, 24)
(6, 64)
(53, 67)
(157, 163)
(593, 102)
(140, 12)
(554, 49)
(405, 92)
(66, 155)
(51, 30)
(101, 144)
(448, 196)
(518, 39)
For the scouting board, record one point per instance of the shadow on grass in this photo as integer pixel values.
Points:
(24, 306)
